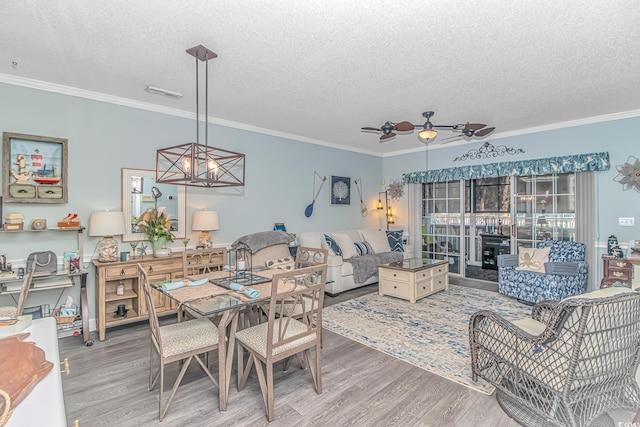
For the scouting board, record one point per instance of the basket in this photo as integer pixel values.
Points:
(63, 319)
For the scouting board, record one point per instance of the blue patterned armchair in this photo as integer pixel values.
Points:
(565, 274)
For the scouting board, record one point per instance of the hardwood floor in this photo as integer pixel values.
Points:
(108, 382)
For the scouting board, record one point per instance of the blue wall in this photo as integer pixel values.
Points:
(104, 137)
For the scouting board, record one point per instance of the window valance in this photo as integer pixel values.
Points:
(549, 165)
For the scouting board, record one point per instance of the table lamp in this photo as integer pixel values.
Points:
(205, 221)
(107, 224)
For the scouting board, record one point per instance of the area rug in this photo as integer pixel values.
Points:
(432, 334)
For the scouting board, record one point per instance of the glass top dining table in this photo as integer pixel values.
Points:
(212, 300)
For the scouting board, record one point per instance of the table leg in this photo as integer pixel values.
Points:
(225, 354)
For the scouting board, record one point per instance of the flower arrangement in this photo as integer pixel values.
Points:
(155, 224)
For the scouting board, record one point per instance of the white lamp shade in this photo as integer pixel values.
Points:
(205, 221)
(106, 223)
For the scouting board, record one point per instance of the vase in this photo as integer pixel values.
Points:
(159, 249)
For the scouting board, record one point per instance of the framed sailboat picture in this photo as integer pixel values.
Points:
(34, 168)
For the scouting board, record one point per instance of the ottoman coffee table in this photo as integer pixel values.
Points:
(413, 278)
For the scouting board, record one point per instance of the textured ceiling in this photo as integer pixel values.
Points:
(319, 71)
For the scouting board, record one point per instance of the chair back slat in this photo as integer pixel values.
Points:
(201, 261)
(307, 256)
(294, 292)
(24, 289)
(151, 309)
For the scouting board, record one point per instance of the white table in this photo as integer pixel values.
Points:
(44, 406)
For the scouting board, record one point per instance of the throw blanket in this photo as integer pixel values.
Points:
(366, 266)
(263, 239)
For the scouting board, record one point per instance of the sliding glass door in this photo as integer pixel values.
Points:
(441, 219)
(523, 209)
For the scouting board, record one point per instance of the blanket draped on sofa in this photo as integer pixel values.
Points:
(366, 266)
(255, 241)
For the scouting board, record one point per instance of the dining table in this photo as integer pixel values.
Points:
(223, 306)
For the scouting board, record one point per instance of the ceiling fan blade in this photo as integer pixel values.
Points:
(370, 128)
(483, 132)
(404, 126)
(452, 139)
(473, 126)
(387, 137)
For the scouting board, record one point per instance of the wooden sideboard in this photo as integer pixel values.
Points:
(124, 275)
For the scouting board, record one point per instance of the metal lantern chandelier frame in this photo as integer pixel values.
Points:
(199, 165)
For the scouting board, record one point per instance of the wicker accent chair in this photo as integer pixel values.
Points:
(183, 342)
(565, 275)
(568, 365)
(13, 312)
(283, 335)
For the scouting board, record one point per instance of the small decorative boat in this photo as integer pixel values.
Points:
(46, 176)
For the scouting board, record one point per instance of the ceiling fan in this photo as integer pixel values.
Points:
(429, 132)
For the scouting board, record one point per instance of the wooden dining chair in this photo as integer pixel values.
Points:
(283, 335)
(201, 261)
(14, 312)
(183, 341)
(307, 256)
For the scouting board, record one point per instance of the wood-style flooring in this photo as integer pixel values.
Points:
(108, 382)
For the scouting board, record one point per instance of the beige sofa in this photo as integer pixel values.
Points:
(340, 274)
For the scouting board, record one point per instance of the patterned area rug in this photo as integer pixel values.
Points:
(432, 334)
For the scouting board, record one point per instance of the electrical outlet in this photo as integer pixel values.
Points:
(626, 222)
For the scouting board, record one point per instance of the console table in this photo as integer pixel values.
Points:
(413, 278)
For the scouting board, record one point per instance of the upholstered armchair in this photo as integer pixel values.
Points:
(565, 274)
(568, 364)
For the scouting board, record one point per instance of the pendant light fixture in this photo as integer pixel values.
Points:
(195, 164)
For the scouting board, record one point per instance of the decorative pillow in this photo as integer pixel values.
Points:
(333, 245)
(532, 259)
(363, 248)
(395, 240)
(346, 245)
(378, 240)
(287, 263)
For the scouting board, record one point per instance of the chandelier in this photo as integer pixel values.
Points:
(195, 164)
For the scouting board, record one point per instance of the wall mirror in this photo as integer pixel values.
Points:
(141, 192)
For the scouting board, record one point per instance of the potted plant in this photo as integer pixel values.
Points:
(155, 224)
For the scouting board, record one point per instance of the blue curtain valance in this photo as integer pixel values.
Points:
(549, 165)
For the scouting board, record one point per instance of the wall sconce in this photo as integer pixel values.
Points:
(204, 221)
(380, 206)
(387, 207)
(107, 224)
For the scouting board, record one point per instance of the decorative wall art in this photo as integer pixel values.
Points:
(396, 189)
(629, 174)
(340, 190)
(488, 151)
(309, 209)
(34, 168)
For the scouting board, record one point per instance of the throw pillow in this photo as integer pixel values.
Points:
(287, 263)
(395, 240)
(346, 245)
(532, 259)
(377, 239)
(333, 245)
(363, 248)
